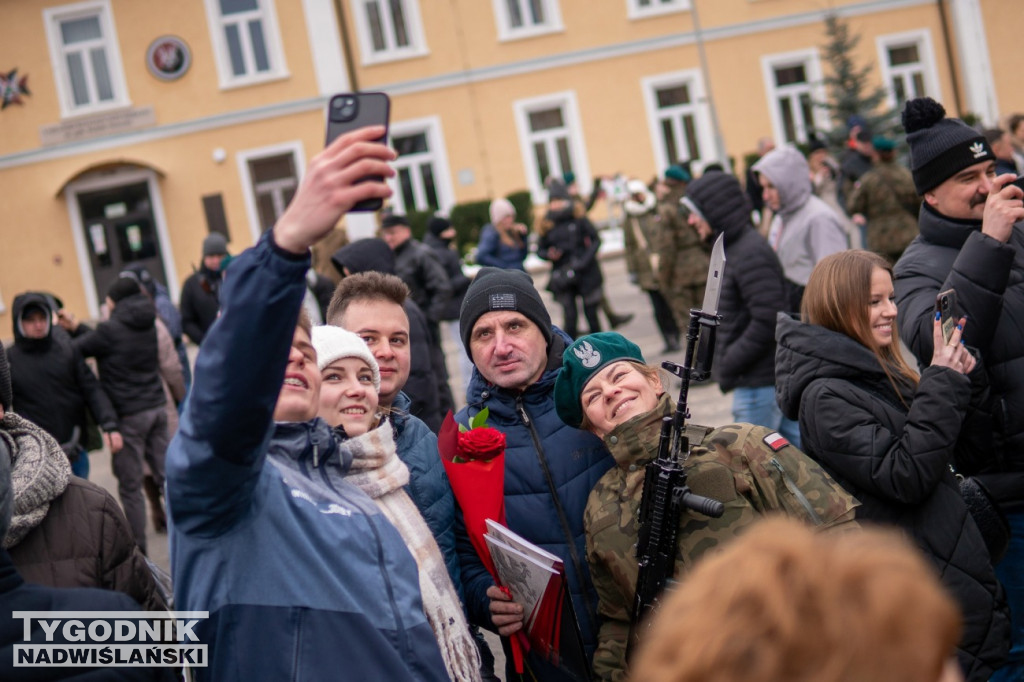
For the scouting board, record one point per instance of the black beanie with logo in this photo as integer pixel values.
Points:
(497, 289)
(940, 147)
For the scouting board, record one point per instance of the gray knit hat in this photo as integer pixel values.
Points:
(940, 147)
(496, 289)
(215, 244)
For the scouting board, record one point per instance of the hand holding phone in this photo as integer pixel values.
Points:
(949, 313)
(353, 110)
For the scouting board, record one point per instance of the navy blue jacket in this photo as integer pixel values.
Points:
(576, 460)
(302, 575)
(428, 483)
(492, 251)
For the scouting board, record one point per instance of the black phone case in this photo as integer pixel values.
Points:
(373, 109)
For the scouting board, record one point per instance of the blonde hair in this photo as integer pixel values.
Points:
(838, 297)
(785, 604)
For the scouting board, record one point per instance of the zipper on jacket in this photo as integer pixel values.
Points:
(797, 493)
(559, 511)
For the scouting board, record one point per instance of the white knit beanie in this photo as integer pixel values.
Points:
(334, 343)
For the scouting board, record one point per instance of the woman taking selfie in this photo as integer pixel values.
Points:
(349, 404)
(605, 387)
(889, 436)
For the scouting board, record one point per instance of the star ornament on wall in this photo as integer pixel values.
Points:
(12, 88)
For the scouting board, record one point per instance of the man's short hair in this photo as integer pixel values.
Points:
(993, 135)
(365, 286)
(1015, 122)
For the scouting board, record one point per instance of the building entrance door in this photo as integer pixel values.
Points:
(120, 230)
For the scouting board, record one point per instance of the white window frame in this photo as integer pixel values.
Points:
(566, 100)
(267, 14)
(506, 32)
(243, 157)
(811, 61)
(52, 18)
(438, 156)
(417, 46)
(118, 179)
(702, 117)
(922, 38)
(658, 8)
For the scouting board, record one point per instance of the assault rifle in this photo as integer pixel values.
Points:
(665, 493)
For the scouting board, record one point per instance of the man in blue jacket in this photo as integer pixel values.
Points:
(550, 467)
(302, 576)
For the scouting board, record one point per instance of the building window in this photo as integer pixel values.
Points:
(421, 181)
(270, 176)
(794, 84)
(246, 41)
(641, 9)
(551, 142)
(679, 122)
(389, 29)
(908, 66)
(526, 18)
(86, 59)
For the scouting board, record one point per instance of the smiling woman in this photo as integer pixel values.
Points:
(350, 380)
(605, 387)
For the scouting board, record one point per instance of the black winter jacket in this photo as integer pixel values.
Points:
(896, 462)
(200, 303)
(988, 277)
(51, 383)
(418, 266)
(127, 355)
(578, 242)
(753, 289)
(453, 268)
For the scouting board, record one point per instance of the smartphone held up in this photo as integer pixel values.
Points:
(949, 313)
(353, 110)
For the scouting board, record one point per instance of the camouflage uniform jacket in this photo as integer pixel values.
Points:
(886, 197)
(641, 238)
(733, 464)
(683, 257)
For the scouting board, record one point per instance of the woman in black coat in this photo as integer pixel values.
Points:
(889, 436)
(570, 242)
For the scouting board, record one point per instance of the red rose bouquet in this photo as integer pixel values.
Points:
(474, 460)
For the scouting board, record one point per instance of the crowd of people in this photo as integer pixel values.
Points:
(873, 523)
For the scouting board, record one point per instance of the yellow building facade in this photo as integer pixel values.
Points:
(146, 125)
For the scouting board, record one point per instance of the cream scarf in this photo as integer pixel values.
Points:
(378, 472)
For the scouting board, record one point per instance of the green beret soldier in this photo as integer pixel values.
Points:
(605, 387)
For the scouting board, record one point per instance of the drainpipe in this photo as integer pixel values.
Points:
(951, 63)
(346, 45)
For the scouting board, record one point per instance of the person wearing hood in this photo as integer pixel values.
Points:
(128, 358)
(428, 376)
(891, 436)
(200, 294)
(22, 440)
(53, 385)
(805, 229)
(642, 236)
(753, 292)
(570, 242)
(64, 531)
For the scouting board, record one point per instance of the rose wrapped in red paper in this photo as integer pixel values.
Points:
(481, 444)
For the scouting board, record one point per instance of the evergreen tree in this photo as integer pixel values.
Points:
(849, 91)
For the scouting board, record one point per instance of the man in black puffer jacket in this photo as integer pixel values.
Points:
(127, 355)
(972, 240)
(753, 291)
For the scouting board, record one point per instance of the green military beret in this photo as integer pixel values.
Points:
(677, 173)
(587, 356)
(883, 144)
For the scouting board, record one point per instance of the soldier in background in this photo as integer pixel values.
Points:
(885, 202)
(606, 388)
(683, 260)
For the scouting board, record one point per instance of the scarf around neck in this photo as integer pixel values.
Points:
(378, 472)
(39, 474)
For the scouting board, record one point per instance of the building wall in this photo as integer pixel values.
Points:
(467, 86)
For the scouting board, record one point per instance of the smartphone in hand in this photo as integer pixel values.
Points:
(353, 110)
(949, 312)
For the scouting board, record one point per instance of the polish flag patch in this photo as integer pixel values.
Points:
(776, 441)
